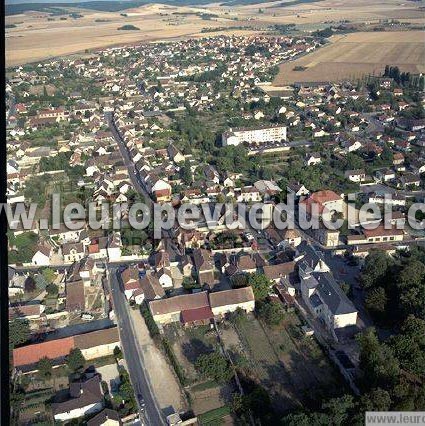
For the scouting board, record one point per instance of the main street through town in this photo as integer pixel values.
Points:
(139, 186)
(149, 412)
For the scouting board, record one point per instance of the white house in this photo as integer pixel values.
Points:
(385, 175)
(164, 277)
(355, 175)
(313, 159)
(114, 247)
(41, 256)
(223, 302)
(255, 135)
(322, 294)
(297, 189)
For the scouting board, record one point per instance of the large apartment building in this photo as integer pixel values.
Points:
(254, 135)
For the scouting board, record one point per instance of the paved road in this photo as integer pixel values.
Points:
(151, 415)
(134, 175)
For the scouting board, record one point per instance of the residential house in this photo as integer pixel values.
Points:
(130, 280)
(42, 256)
(224, 302)
(297, 189)
(385, 175)
(106, 417)
(92, 345)
(73, 252)
(174, 154)
(355, 175)
(290, 237)
(85, 398)
(276, 273)
(29, 312)
(323, 203)
(170, 310)
(312, 159)
(204, 267)
(99, 343)
(377, 235)
(322, 294)
(410, 180)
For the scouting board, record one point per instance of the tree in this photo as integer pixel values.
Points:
(117, 352)
(186, 173)
(297, 419)
(411, 287)
(189, 283)
(375, 268)
(75, 360)
(376, 400)
(52, 289)
(379, 366)
(29, 285)
(239, 280)
(409, 345)
(376, 300)
(44, 367)
(354, 161)
(339, 409)
(271, 312)
(214, 366)
(49, 274)
(345, 287)
(19, 332)
(260, 285)
(258, 402)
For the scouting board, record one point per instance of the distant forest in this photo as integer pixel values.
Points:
(115, 6)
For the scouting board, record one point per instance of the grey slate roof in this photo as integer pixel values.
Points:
(332, 295)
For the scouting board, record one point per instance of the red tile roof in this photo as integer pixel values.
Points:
(52, 349)
(380, 231)
(93, 248)
(197, 314)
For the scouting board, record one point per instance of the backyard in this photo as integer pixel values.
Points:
(291, 366)
(187, 346)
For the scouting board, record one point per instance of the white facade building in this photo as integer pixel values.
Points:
(256, 135)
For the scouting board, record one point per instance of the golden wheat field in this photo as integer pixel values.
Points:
(37, 35)
(357, 54)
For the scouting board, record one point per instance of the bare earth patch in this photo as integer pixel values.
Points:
(163, 381)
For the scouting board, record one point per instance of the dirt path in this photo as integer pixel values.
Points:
(163, 381)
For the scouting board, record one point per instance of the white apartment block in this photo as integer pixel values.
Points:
(255, 135)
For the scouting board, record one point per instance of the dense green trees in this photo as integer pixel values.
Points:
(24, 247)
(75, 361)
(271, 312)
(395, 286)
(44, 367)
(260, 286)
(214, 366)
(409, 345)
(379, 366)
(19, 332)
